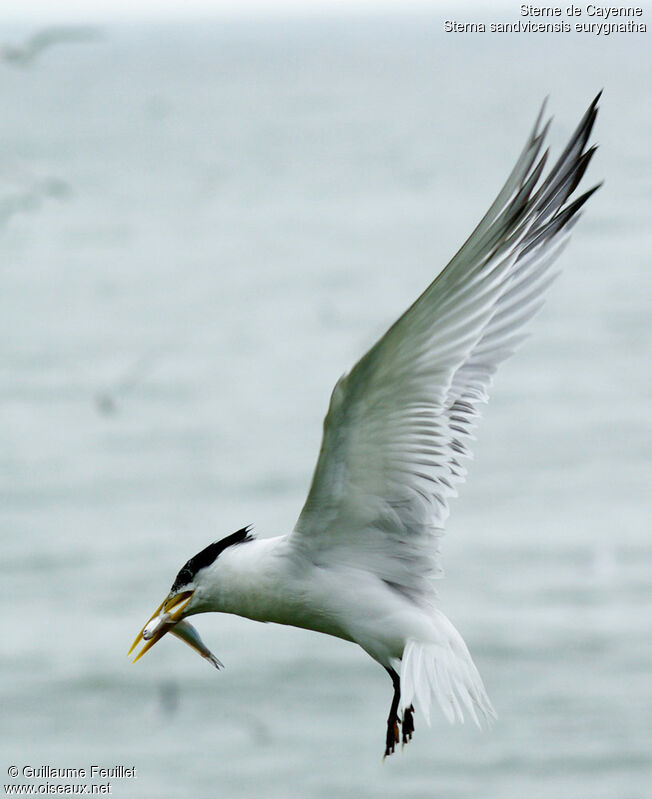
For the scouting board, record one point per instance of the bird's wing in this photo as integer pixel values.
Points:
(398, 425)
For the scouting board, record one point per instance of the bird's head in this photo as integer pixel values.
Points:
(185, 598)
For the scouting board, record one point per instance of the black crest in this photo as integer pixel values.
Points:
(208, 556)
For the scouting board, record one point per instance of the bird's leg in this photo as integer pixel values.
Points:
(392, 737)
(408, 724)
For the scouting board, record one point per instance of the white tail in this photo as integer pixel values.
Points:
(444, 668)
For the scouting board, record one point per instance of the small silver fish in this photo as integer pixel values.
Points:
(186, 632)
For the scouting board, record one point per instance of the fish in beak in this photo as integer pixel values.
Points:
(167, 618)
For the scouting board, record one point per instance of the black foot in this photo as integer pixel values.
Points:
(392, 720)
(408, 724)
(392, 736)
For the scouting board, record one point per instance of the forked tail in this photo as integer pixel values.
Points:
(444, 669)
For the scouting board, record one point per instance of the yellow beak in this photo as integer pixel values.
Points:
(167, 619)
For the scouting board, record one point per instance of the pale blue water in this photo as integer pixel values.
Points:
(233, 212)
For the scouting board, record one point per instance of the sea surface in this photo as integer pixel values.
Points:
(202, 227)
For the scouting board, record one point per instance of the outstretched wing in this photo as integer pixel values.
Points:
(398, 426)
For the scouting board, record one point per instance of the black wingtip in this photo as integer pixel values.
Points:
(570, 210)
(582, 164)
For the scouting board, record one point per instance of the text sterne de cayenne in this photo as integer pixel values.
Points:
(601, 20)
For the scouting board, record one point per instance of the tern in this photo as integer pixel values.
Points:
(360, 561)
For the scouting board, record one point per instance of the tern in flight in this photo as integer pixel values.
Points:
(360, 560)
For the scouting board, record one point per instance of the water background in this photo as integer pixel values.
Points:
(222, 217)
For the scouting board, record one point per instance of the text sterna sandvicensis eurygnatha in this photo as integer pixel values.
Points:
(360, 561)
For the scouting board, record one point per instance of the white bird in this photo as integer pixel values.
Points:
(360, 560)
